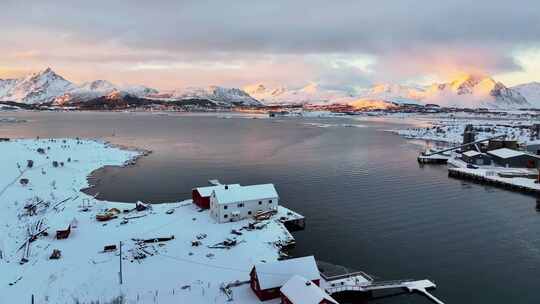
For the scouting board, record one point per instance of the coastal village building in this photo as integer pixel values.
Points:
(299, 290)
(495, 144)
(241, 202)
(201, 195)
(476, 158)
(266, 279)
(514, 159)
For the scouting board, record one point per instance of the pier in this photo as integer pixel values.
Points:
(361, 282)
(432, 159)
(515, 184)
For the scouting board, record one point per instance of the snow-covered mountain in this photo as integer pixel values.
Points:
(40, 87)
(474, 91)
(6, 85)
(531, 92)
(139, 90)
(219, 95)
(101, 88)
(312, 93)
(468, 91)
(393, 93)
(47, 86)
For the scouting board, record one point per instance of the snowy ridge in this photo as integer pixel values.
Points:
(35, 88)
(312, 93)
(474, 91)
(101, 88)
(531, 91)
(467, 91)
(393, 93)
(47, 86)
(219, 95)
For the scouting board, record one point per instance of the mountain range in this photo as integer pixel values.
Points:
(468, 91)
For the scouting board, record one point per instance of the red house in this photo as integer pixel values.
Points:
(201, 195)
(268, 278)
(299, 290)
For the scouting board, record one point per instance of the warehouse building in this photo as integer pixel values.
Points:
(514, 159)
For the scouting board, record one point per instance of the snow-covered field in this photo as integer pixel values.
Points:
(171, 271)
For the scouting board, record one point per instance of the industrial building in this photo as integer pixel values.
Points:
(514, 159)
(476, 158)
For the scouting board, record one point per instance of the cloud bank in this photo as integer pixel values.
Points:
(339, 43)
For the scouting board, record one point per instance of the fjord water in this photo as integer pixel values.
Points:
(369, 205)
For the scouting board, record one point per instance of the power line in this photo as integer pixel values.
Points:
(220, 267)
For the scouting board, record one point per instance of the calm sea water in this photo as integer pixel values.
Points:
(369, 205)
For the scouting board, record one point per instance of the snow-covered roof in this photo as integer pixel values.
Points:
(300, 290)
(276, 274)
(244, 193)
(471, 153)
(505, 153)
(207, 191)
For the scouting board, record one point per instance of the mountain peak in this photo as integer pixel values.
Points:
(312, 87)
(99, 85)
(257, 88)
(45, 72)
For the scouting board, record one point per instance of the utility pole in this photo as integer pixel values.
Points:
(120, 273)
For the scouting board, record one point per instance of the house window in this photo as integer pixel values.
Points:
(225, 207)
(260, 203)
(270, 201)
(225, 216)
(249, 212)
(240, 205)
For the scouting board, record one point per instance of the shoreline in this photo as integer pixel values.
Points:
(93, 180)
(168, 266)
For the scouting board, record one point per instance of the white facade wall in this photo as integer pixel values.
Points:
(240, 210)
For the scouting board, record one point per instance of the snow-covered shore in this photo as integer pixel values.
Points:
(171, 271)
(451, 131)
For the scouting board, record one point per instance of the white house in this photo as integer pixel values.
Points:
(241, 202)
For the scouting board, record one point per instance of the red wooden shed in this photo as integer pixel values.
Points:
(201, 195)
(268, 278)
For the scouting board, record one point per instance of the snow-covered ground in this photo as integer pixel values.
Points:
(451, 130)
(171, 271)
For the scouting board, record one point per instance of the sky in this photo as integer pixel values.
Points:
(338, 44)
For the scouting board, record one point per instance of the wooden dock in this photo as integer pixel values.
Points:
(360, 282)
(495, 180)
(434, 159)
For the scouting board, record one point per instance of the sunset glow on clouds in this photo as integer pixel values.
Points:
(345, 44)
